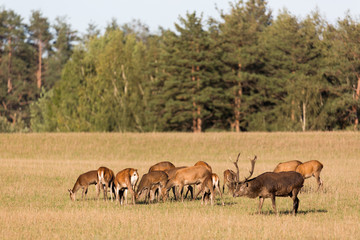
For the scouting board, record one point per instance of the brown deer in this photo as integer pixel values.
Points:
(191, 189)
(83, 181)
(309, 169)
(205, 164)
(126, 180)
(271, 185)
(106, 179)
(231, 178)
(192, 175)
(171, 173)
(157, 179)
(216, 186)
(287, 166)
(161, 166)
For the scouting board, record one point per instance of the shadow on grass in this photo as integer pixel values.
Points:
(289, 212)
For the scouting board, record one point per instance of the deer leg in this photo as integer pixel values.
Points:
(174, 192)
(97, 186)
(218, 188)
(111, 191)
(319, 181)
(82, 194)
(274, 203)
(86, 191)
(212, 193)
(261, 202)
(296, 201)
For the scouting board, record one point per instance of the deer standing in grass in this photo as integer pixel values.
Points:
(271, 185)
(83, 181)
(106, 179)
(192, 175)
(192, 189)
(287, 166)
(126, 180)
(152, 180)
(231, 178)
(160, 166)
(309, 169)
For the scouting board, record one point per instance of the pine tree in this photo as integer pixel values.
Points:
(240, 33)
(41, 36)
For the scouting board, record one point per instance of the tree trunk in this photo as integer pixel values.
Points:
(38, 73)
(9, 83)
(238, 96)
(304, 117)
(357, 94)
(292, 110)
(194, 103)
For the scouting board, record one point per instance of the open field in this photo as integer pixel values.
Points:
(37, 169)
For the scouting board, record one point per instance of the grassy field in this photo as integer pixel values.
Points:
(37, 169)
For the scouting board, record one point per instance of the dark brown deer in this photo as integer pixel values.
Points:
(106, 179)
(83, 181)
(231, 178)
(271, 185)
(287, 166)
(157, 179)
(309, 169)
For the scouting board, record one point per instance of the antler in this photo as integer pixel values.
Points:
(237, 167)
(252, 168)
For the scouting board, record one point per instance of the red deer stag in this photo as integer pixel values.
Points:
(83, 181)
(106, 179)
(151, 181)
(192, 175)
(287, 166)
(271, 185)
(126, 180)
(231, 178)
(309, 169)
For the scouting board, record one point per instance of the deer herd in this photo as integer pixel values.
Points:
(286, 180)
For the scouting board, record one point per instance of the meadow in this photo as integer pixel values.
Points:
(37, 169)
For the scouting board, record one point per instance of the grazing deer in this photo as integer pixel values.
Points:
(106, 179)
(192, 175)
(287, 166)
(152, 181)
(171, 173)
(205, 164)
(216, 186)
(126, 180)
(161, 166)
(271, 185)
(83, 181)
(231, 178)
(191, 189)
(309, 169)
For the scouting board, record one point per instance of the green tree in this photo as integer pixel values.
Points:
(41, 36)
(62, 49)
(240, 34)
(16, 68)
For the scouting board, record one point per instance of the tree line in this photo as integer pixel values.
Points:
(247, 71)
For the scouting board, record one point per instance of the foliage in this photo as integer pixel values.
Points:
(245, 72)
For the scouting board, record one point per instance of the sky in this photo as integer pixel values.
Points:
(164, 13)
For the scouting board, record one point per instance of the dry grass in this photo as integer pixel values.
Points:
(37, 169)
